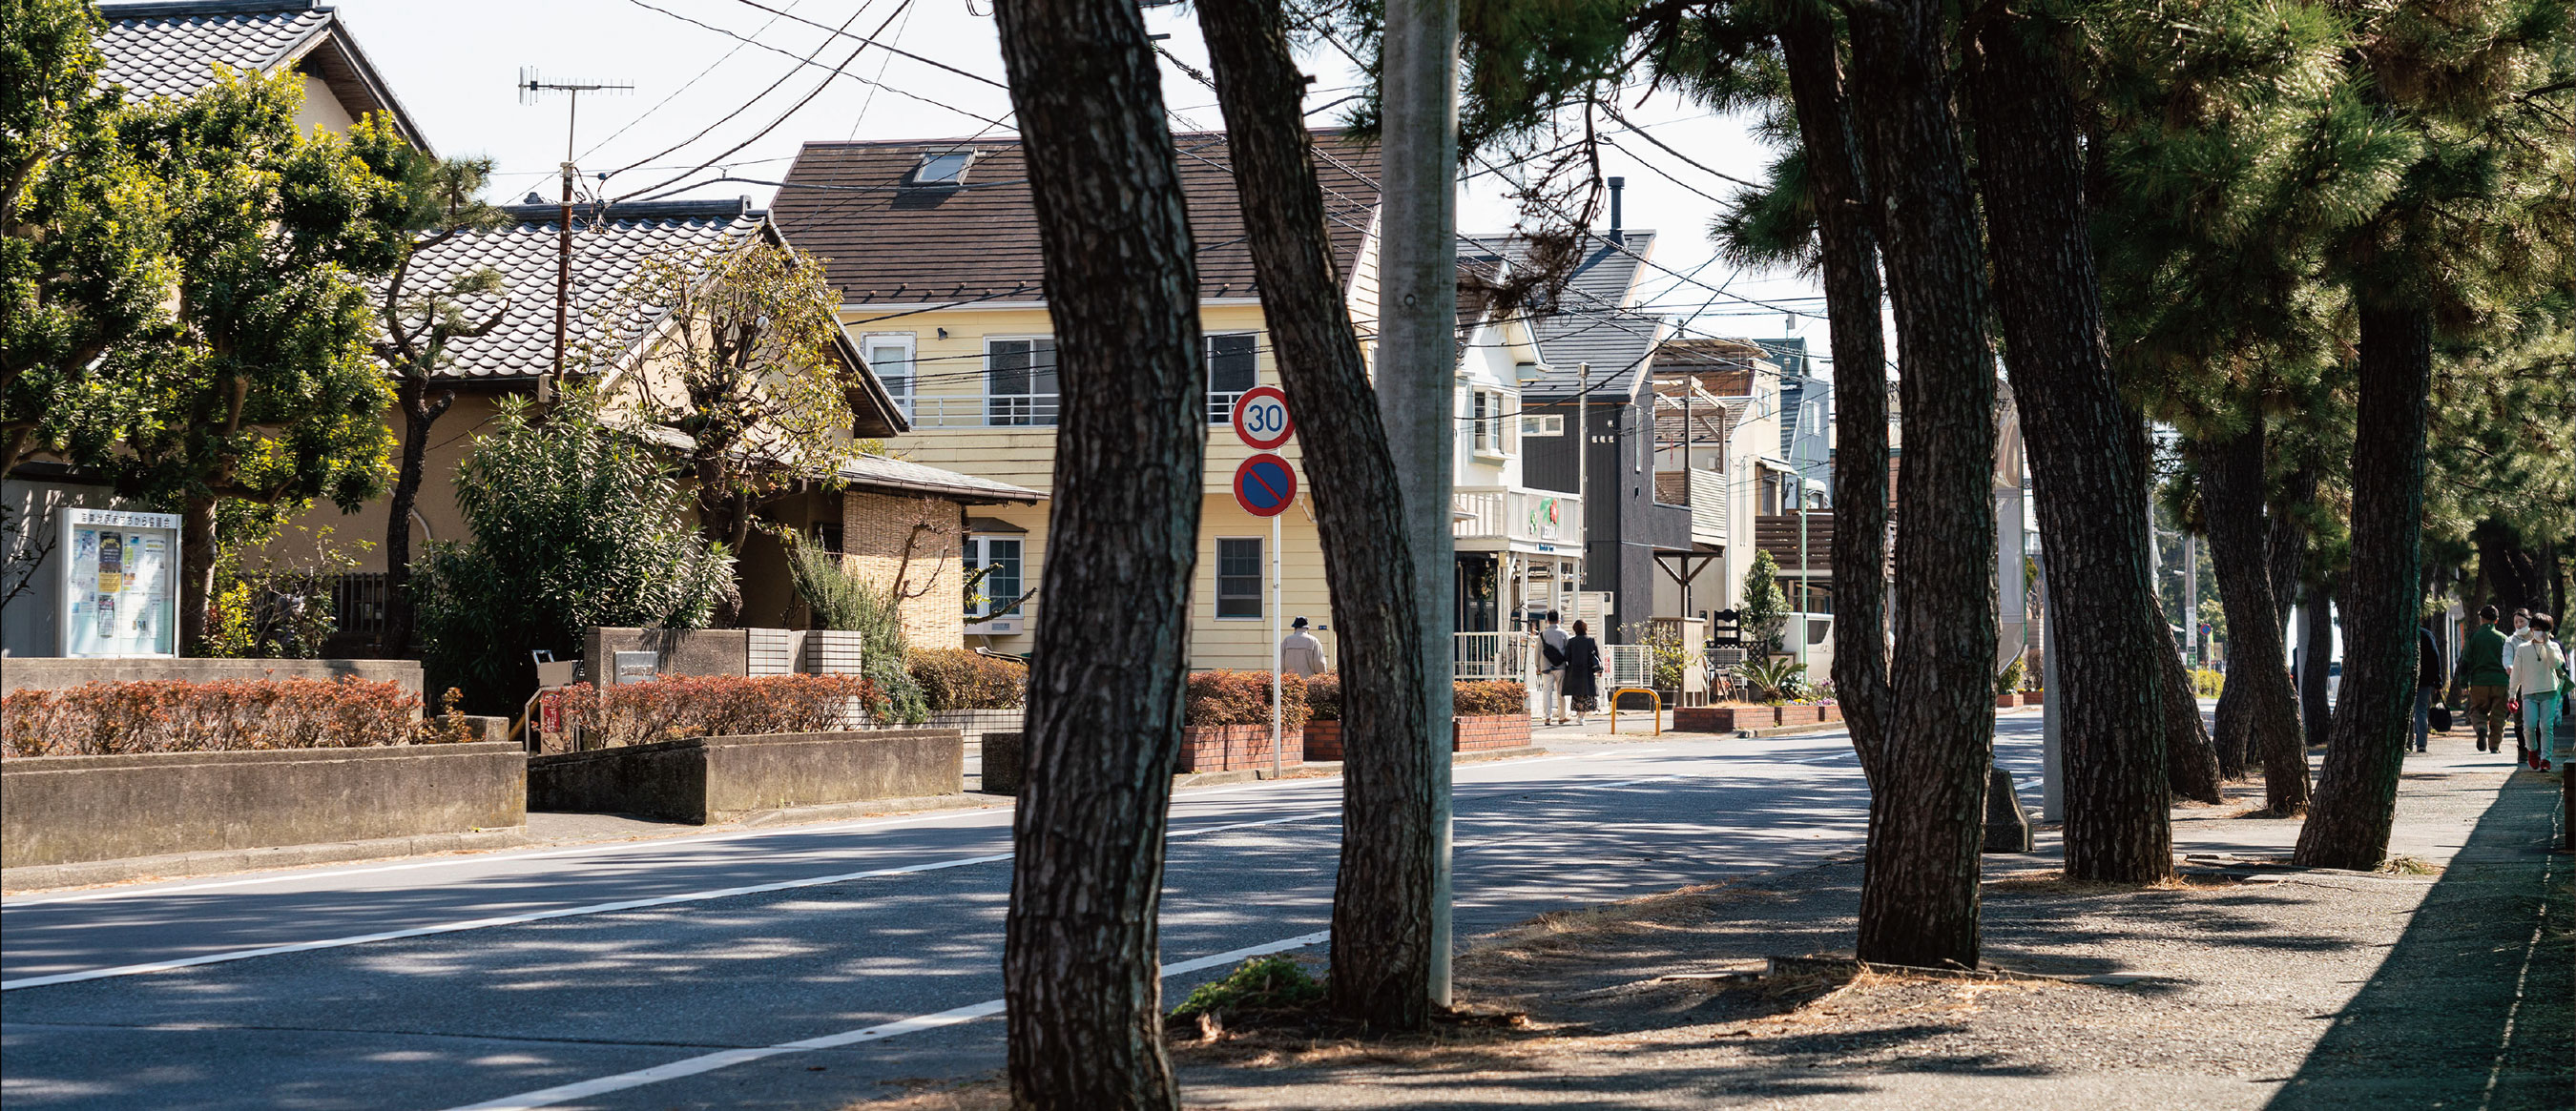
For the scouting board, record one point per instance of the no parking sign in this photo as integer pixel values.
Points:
(1265, 485)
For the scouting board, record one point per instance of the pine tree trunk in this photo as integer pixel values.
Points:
(2086, 479)
(2232, 728)
(1927, 817)
(1849, 245)
(196, 573)
(2512, 571)
(1080, 962)
(2356, 799)
(1383, 920)
(420, 410)
(2231, 497)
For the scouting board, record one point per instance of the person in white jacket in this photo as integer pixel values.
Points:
(2537, 659)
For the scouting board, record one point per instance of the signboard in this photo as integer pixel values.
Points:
(120, 586)
(1265, 485)
(1261, 418)
(636, 667)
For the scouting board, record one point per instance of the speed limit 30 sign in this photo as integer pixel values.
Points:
(1261, 418)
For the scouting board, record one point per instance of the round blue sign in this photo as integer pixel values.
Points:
(1265, 485)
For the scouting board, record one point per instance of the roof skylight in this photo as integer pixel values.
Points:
(942, 169)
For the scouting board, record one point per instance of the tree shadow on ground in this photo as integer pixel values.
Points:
(2475, 1006)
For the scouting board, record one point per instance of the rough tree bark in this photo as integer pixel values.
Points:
(2356, 798)
(1927, 817)
(1848, 243)
(421, 407)
(1080, 962)
(2316, 621)
(2512, 571)
(197, 572)
(2232, 483)
(2284, 547)
(1383, 919)
(2074, 424)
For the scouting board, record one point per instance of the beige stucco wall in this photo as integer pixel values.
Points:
(361, 535)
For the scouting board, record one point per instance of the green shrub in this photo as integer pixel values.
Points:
(2011, 678)
(1242, 698)
(575, 524)
(1324, 697)
(673, 707)
(963, 679)
(1482, 699)
(1775, 679)
(2208, 682)
(1260, 984)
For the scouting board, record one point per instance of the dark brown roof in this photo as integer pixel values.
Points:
(1723, 366)
(889, 241)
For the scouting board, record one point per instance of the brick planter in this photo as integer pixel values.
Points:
(1801, 714)
(2032, 698)
(2007, 701)
(70, 809)
(1226, 748)
(1485, 734)
(1722, 719)
(1830, 711)
(1324, 740)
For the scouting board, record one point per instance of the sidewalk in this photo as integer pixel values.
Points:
(2445, 982)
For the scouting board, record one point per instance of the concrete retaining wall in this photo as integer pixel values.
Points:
(67, 809)
(719, 779)
(46, 673)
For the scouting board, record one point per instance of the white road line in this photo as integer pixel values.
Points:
(692, 1066)
(668, 900)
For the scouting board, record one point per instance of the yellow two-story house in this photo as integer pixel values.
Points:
(934, 247)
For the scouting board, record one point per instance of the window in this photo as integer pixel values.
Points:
(826, 535)
(945, 168)
(1230, 373)
(1485, 423)
(999, 591)
(890, 356)
(1238, 578)
(1551, 424)
(1019, 381)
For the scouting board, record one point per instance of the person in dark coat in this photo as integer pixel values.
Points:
(2428, 682)
(1582, 663)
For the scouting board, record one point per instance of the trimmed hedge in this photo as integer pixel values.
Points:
(963, 679)
(1495, 698)
(673, 707)
(1242, 698)
(1324, 697)
(172, 715)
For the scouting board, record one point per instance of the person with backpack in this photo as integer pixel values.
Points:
(1551, 671)
(2538, 663)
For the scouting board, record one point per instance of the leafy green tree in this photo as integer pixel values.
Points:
(417, 316)
(748, 371)
(268, 391)
(574, 525)
(1764, 612)
(84, 259)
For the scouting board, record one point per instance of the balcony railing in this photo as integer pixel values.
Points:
(1516, 515)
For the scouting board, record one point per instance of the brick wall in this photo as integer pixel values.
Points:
(879, 531)
(1480, 734)
(1224, 748)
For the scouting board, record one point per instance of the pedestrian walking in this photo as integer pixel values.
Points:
(1300, 654)
(2536, 665)
(2513, 643)
(1582, 664)
(2484, 671)
(1551, 669)
(2428, 682)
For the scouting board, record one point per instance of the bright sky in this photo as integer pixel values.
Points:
(699, 91)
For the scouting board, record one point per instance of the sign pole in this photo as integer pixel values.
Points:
(1261, 421)
(1278, 683)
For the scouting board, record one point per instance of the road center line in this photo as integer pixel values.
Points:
(709, 1062)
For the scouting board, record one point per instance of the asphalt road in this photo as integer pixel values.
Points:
(803, 967)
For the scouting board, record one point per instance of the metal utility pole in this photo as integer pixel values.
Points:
(530, 88)
(2191, 596)
(1417, 361)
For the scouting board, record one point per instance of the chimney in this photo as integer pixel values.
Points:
(1616, 184)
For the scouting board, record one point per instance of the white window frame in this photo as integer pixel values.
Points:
(1028, 410)
(976, 552)
(1490, 433)
(1221, 405)
(1542, 424)
(910, 343)
(1260, 604)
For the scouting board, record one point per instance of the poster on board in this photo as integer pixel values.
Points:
(120, 586)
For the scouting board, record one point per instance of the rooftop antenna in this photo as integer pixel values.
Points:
(531, 88)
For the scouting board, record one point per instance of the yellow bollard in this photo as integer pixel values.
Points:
(1649, 693)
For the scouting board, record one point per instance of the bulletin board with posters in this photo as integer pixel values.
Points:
(120, 583)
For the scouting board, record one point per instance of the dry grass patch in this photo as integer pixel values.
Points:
(2051, 881)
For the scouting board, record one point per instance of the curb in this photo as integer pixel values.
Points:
(865, 808)
(218, 861)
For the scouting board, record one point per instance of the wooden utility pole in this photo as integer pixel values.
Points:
(530, 88)
(1417, 361)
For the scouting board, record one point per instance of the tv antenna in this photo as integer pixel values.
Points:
(531, 89)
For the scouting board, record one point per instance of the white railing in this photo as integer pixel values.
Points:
(982, 411)
(1494, 656)
(1221, 406)
(1516, 514)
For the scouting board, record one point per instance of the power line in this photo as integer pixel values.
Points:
(728, 117)
(685, 86)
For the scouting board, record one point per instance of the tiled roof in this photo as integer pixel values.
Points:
(1591, 322)
(606, 254)
(881, 473)
(890, 241)
(172, 49)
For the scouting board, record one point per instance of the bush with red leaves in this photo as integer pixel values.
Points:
(1242, 698)
(673, 707)
(169, 715)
